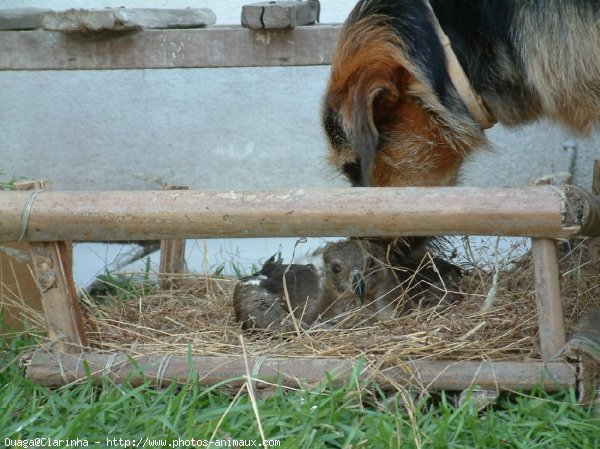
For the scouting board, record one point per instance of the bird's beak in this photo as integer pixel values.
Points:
(358, 284)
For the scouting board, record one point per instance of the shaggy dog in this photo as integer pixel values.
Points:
(398, 112)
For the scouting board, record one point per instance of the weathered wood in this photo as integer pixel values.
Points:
(53, 369)
(585, 336)
(547, 297)
(462, 375)
(583, 346)
(150, 215)
(21, 18)
(172, 257)
(52, 265)
(581, 209)
(280, 14)
(126, 19)
(19, 294)
(218, 46)
(596, 178)
(594, 243)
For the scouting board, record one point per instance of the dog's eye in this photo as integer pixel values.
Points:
(352, 172)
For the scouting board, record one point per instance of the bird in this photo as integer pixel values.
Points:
(386, 279)
(440, 283)
(369, 279)
(259, 300)
(355, 278)
(315, 295)
(414, 276)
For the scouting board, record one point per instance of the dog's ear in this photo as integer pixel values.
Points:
(373, 96)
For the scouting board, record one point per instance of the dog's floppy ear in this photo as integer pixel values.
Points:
(372, 94)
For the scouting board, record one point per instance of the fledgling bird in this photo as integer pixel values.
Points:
(370, 278)
(354, 277)
(441, 283)
(390, 280)
(314, 295)
(259, 300)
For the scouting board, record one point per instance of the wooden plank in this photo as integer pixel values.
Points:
(52, 266)
(150, 215)
(276, 15)
(45, 367)
(172, 263)
(584, 346)
(172, 257)
(18, 290)
(123, 19)
(218, 46)
(547, 296)
(594, 243)
(581, 210)
(585, 335)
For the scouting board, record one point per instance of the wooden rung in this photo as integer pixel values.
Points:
(172, 256)
(547, 297)
(53, 370)
(52, 265)
(543, 211)
(584, 347)
(595, 241)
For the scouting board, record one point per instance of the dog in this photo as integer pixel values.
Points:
(414, 83)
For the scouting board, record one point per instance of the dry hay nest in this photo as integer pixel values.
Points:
(198, 317)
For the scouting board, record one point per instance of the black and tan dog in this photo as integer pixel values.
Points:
(414, 82)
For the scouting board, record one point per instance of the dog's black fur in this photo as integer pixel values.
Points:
(392, 111)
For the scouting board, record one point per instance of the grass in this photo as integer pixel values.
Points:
(351, 416)
(124, 286)
(6, 185)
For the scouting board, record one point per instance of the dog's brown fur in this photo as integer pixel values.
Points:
(373, 96)
(391, 114)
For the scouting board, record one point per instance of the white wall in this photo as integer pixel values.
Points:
(239, 128)
(210, 128)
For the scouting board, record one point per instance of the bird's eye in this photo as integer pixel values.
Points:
(336, 268)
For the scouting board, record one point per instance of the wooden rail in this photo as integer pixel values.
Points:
(53, 269)
(145, 215)
(216, 46)
(53, 369)
(541, 212)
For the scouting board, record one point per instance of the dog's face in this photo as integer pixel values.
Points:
(387, 118)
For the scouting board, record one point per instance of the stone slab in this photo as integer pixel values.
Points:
(280, 14)
(124, 19)
(21, 18)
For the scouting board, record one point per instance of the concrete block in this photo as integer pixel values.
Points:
(123, 19)
(21, 18)
(280, 14)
